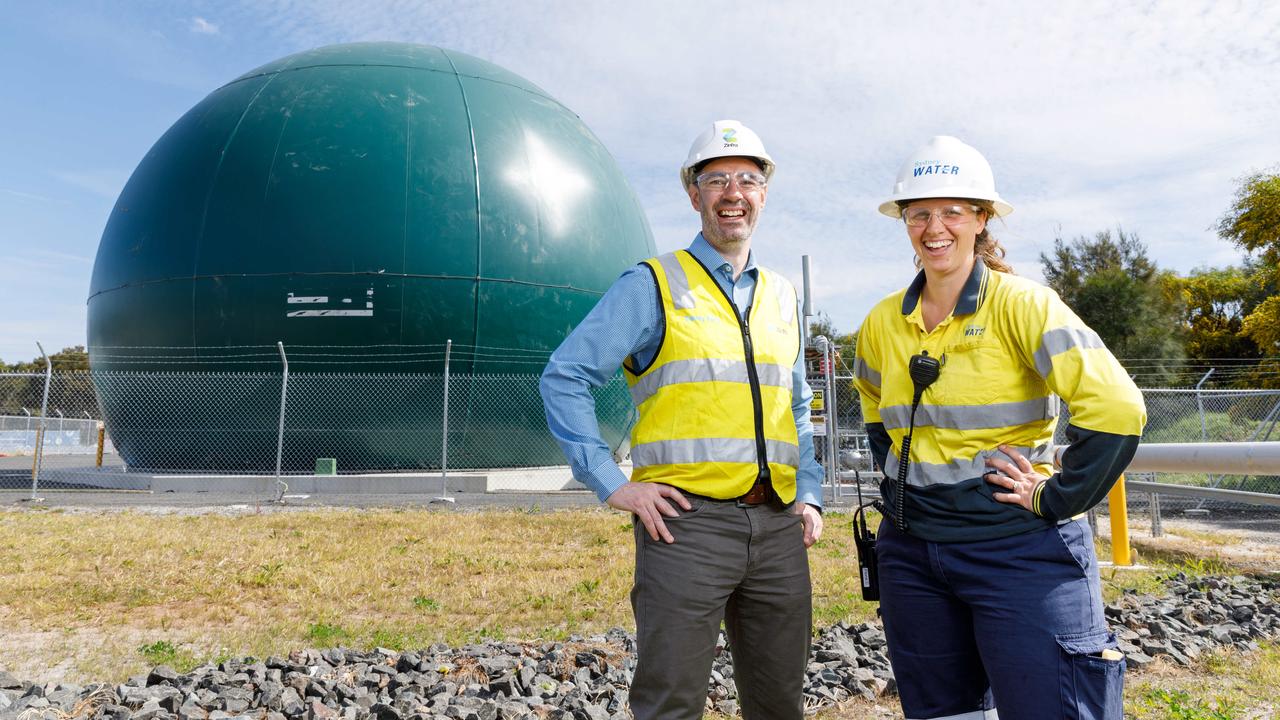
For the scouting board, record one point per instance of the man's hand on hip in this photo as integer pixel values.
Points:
(649, 502)
(811, 518)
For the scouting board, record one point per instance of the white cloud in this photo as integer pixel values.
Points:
(203, 27)
(32, 197)
(103, 183)
(1093, 114)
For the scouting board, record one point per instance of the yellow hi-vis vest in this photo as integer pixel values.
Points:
(715, 402)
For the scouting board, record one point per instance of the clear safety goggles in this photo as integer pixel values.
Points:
(748, 181)
(949, 215)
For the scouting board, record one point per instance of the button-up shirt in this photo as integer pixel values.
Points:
(628, 321)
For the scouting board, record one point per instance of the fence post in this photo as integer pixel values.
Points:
(1157, 528)
(444, 442)
(833, 423)
(44, 407)
(102, 441)
(284, 397)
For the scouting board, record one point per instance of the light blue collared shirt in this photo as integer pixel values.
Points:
(628, 321)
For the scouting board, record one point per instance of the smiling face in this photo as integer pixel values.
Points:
(729, 216)
(945, 248)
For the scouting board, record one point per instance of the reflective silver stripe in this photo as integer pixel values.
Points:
(707, 370)
(671, 452)
(865, 372)
(921, 474)
(973, 715)
(971, 417)
(783, 453)
(1060, 340)
(677, 281)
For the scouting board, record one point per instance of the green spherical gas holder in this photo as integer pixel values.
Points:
(362, 204)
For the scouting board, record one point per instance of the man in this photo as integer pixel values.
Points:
(725, 488)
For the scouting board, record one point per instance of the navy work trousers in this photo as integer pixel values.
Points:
(1015, 622)
(745, 565)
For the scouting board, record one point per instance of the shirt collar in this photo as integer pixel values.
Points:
(971, 295)
(714, 261)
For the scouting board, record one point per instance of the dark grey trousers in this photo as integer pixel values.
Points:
(744, 565)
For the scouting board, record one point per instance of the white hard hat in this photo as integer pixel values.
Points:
(725, 138)
(945, 168)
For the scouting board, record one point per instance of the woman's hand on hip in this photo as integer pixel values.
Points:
(1018, 478)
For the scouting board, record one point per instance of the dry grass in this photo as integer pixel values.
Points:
(96, 587)
(94, 596)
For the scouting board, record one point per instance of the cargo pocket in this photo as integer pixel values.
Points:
(1092, 676)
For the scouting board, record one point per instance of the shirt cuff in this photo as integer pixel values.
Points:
(604, 479)
(809, 492)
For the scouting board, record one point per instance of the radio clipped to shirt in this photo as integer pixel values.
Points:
(924, 370)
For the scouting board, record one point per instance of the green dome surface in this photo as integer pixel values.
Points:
(362, 197)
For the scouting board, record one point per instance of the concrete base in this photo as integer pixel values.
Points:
(515, 480)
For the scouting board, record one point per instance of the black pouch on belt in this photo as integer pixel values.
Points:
(868, 568)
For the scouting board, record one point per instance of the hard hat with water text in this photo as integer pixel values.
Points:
(945, 167)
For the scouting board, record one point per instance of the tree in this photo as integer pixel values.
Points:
(1253, 224)
(70, 392)
(1119, 292)
(1216, 302)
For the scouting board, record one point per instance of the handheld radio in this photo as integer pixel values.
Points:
(924, 371)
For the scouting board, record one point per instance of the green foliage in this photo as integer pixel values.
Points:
(65, 360)
(1179, 705)
(1216, 427)
(426, 603)
(1119, 292)
(163, 652)
(1253, 220)
(326, 635)
(70, 393)
(1253, 224)
(1216, 302)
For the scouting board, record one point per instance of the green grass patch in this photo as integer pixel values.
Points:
(163, 652)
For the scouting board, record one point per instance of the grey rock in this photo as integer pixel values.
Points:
(149, 711)
(291, 702)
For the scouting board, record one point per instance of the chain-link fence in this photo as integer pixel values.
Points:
(197, 431)
(193, 430)
(1173, 416)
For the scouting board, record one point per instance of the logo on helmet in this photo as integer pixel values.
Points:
(931, 167)
(730, 137)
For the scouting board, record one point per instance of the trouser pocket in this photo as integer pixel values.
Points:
(1092, 676)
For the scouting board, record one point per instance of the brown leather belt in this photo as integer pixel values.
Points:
(759, 494)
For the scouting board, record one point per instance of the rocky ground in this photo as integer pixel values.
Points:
(587, 679)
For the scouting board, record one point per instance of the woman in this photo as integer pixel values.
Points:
(988, 582)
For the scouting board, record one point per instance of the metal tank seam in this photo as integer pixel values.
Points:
(475, 164)
(370, 273)
(275, 152)
(208, 196)
(408, 158)
(539, 91)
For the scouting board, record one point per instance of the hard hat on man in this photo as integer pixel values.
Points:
(725, 138)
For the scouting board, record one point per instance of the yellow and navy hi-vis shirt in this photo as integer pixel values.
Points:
(715, 402)
(1009, 350)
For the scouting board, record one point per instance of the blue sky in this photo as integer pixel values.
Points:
(1093, 115)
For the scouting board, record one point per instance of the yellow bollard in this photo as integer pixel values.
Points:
(1121, 553)
(102, 439)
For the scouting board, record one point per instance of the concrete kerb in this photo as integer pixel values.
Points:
(518, 480)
